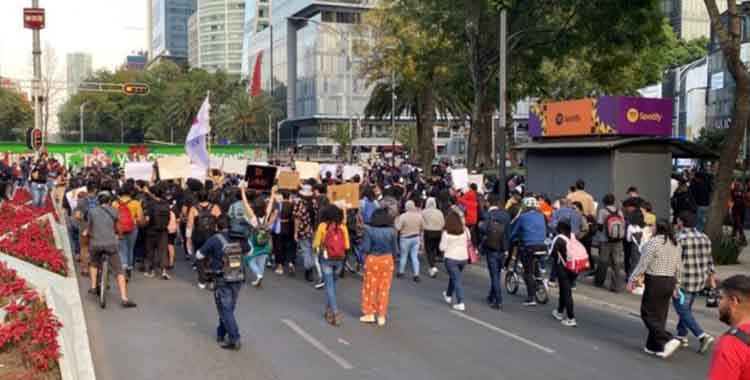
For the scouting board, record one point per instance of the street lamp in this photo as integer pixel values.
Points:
(83, 105)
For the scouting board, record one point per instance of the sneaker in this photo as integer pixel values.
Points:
(127, 304)
(447, 299)
(320, 285)
(669, 349)
(94, 291)
(529, 303)
(202, 285)
(459, 307)
(552, 284)
(399, 275)
(257, 283)
(433, 272)
(367, 318)
(232, 346)
(569, 322)
(557, 315)
(646, 350)
(416, 278)
(165, 276)
(381, 321)
(706, 341)
(279, 271)
(683, 340)
(149, 274)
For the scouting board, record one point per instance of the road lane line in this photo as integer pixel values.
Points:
(504, 332)
(317, 344)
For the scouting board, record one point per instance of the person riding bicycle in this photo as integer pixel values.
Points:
(529, 231)
(102, 229)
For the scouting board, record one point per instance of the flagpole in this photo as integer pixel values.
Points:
(208, 140)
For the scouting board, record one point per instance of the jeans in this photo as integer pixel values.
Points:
(305, 247)
(410, 250)
(454, 269)
(701, 217)
(127, 244)
(226, 294)
(257, 264)
(495, 262)
(38, 191)
(74, 240)
(329, 269)
(685, 311)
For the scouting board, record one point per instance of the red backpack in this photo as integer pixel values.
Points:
(334, 243)
(126, 222)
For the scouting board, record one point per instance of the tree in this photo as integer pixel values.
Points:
(244, 118)
(16, 115)
(712, 138)
(728, 33)
(341, 134)
(682, 52)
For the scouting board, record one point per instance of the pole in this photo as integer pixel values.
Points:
(83, 105)
(270, 135)
(393, 115)
(273, 99)
(500, 140)
(36, 90)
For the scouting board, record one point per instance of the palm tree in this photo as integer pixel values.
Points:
(244, 118)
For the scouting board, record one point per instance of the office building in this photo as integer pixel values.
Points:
(78, 69)
(217, 31)
(688, 18)
(136, 61)
(168, 29)
(257, 18)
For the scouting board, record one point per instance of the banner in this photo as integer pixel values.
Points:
(175, 167)
(325, 168)
(460, 178)
(235, 165)
(307, 170)
(260, 177)
(477, 179)
(348, 192)
(288, 180)
(139, 170)
(72, 197)
(353, 170)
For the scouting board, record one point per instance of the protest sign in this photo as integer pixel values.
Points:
(217, 163)
(328, 168)
(349, 193)
(307, 170)
(477, 179)
(352, 170)
(139, 170)
(174, 167)
(235, 165)
(72, 197)
(260, 177)
(460, 178)
(197, 172)
(288, 180)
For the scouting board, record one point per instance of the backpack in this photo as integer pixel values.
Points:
(741, 335)
(577, 259)
(334, 243)
(231, 265)
(614, 226)
(238, 225)
(368, 208)
(495, 239)
(126, 222)
(160, 216)
(205, 223)
(354, 223)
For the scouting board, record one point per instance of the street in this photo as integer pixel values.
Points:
(172, 335)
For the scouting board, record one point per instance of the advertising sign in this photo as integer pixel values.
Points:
(33, 18)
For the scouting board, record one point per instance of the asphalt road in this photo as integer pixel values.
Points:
(171, 336)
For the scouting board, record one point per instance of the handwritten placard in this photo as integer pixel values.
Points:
(460, 178)
(349, 193)
(72, 197)
(351, 171)
(288, 180)
(139, 170)
(307, 170)
(235, 165)
(477, 179)
(174, 167)
(260, 177)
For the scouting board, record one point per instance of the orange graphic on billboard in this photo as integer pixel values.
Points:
(570, 118)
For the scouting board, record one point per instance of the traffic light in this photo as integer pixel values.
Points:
(135, 89)
(34, 138)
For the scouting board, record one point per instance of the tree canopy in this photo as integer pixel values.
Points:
(16, 115)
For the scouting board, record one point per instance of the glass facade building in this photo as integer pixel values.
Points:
(218, 30)
(169, 27)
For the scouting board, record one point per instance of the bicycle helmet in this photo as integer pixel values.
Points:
(530, 202)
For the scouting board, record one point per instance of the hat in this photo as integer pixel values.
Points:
(530, 202)
(306, 191)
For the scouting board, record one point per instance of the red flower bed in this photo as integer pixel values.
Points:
(33, 243)
(29, 325)
(13, 216)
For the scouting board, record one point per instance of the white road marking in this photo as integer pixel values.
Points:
(504, 332)
(317, 344)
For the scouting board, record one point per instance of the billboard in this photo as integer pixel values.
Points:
(605, 115)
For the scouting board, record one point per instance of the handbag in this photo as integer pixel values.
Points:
(712, 300)
(472, 251)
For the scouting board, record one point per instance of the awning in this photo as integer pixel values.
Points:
(679, 148)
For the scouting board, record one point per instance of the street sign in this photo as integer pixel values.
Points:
(135, 89)
(34, 138)
(33, 18)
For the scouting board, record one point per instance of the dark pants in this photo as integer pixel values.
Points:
(156, 250)
(654, 310)
(432, 246)
(528, 259)
(139, 251)
(226, 294)
(474, 230)
(495, 267)
(565, 279)
(284, 250)
(610, 255)
(627, 252)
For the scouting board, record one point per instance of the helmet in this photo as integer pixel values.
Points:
(530, 202)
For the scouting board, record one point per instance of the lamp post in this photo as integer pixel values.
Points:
(83, 105)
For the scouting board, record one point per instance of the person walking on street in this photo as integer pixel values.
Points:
(469, 201)
(409, 225)
(731, 358)
(303, 232)
(611, 226)
(433, 223)
(332, 241)
(493, 247)
(379, 245)
(580, 195)
(158, 218)
(201, 225)
(661, 265)
(454, 244)
(131, 215)
(697, 272)
(565, 278)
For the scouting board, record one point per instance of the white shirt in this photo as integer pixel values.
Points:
(455, 246)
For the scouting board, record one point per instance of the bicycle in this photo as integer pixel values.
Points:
(514, 276)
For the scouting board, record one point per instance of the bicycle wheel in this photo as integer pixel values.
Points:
(104, 282)
(512, 282)
(541, 295)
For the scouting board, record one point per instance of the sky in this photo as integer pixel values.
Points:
(107, 29)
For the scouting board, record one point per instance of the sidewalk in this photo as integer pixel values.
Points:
(726, 271)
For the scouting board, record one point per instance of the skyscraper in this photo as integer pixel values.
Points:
(689, 18)
(79, 68)
(257, 18)
(218, 26)
(168, 29)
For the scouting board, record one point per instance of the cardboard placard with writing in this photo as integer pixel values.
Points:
(460, 178)
(174, 167)
(288, 180)
(349, 193)
(235, 165)
(353, 170)
(307, 170)
(477, 179)
(139, 170)
(260, 177)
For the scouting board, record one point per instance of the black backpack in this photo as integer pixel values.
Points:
(205, 223)
(160, 216)
(495, 239)
(231, 265)
(238, 225)
(741, 335)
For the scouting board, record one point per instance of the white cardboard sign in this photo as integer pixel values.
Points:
(174, 167)
(307, 170)
(477, 179)
(352, 170)
(235, 165)
(139, 170)
(460, 178)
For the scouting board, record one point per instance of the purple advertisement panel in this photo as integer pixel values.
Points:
(644, 116)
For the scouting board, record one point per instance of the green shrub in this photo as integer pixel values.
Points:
(727, 252)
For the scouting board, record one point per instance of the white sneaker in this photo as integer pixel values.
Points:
(447, 299)
(683, 340)
(669, 349)
(459, 307)
(433, 272)
(646, 350)
(557, 315)
(202, 285)
(367, 318)
(567, 322)
(706, 341)
(320, 285)
(381, 321)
